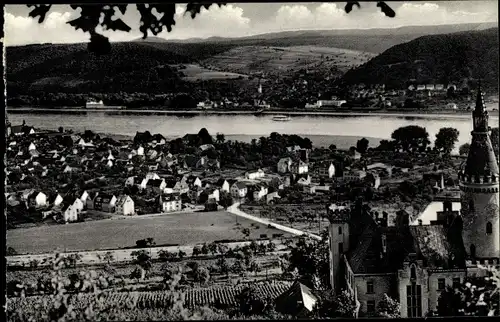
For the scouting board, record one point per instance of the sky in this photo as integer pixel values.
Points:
(245, 19)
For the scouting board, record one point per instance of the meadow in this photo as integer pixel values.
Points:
(169, 229)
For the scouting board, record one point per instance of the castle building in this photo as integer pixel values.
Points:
(414, 263)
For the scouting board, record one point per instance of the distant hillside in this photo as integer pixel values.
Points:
(130, 67)
(437, 58)
(365, 40)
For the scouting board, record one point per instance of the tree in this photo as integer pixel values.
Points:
(143, 260)
(362, 145)
(476, 296)
(311, 259)
(223, 266)
(61, 129)
(204, 249)
(330, 305)
(246, 232)
(220, 138)
(213, 248)
(388, 308)
(411, 138)
(196, 250)
(249, 301)
(464, 149)
(332, 147)
(11, 251)
(446, 139)
(108, 257)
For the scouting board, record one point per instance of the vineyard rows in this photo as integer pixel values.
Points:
(225, 295)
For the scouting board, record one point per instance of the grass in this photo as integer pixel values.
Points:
(249, 59)
(194, 72)
(174, 229)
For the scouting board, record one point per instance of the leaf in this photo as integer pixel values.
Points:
(350, 5)
(386, 9)
(83, 23)
(115, 25)
(40, 11)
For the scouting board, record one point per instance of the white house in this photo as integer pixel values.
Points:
(239, 189)
(260, 192)
(32, 147)
(255, 175)
(110, 156)
(58, 200)
(284, 165)
(84, 196)
(299, 167)
(224, 185)
(109, 164)
(37, 199)
(124, 205)
(213, 194)
(170, 203)
(71, 211)
(140, 151)
(326, 171)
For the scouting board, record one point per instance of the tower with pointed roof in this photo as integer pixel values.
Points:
(479, 190)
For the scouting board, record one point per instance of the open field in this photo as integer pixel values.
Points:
(252, 59)
(178, 229)
(195, 72)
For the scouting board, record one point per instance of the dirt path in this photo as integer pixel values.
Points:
(236, 211)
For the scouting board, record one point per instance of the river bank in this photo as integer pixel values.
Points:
(322, 113)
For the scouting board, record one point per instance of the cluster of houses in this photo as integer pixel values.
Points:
(149, 169)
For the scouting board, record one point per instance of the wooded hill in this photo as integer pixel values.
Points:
(443, 59)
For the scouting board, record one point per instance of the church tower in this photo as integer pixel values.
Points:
(479, 190)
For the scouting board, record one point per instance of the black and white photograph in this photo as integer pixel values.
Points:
(251, 161)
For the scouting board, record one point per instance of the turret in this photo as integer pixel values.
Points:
(479, 190)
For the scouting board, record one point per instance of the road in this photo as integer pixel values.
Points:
(238, 212)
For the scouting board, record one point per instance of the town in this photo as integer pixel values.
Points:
(372, 197)
(251, 161)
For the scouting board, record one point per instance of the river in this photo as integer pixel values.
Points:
(322, 130)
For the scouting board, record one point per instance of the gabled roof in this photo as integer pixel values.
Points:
(240, 185)
(295, 299)
(121, 200)
(102, 196)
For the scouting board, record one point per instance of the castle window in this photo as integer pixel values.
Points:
(414, 300)
(456, 282)
(341, 248)
(471, 205)
(340, 230)
(413, 272)
(489, 228)
(369, 287)
(370, 306)
(441, 284)
(473, 251)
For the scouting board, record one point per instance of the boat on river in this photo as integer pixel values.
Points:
(281, 118)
